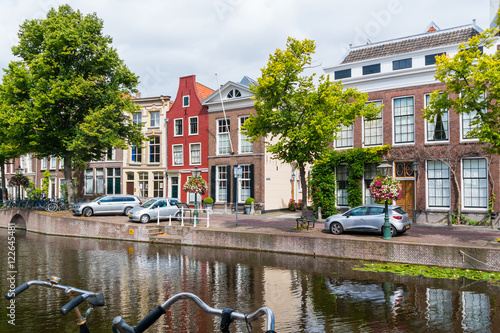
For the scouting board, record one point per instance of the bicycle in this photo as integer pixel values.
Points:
(228, 316)
(94, 299)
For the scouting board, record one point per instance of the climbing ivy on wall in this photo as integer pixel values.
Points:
(323, 181)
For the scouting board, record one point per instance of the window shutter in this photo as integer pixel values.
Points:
(252, 182)
(213, 182)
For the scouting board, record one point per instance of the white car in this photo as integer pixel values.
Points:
(149, 211)
(107, 204)
(369, 218)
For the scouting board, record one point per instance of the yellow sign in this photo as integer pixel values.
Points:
(131, 231)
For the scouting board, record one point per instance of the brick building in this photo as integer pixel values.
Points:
(270, 182)
(437, 164)
(187, 137)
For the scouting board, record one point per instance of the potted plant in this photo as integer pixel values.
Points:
(208, 202)
(248, 205)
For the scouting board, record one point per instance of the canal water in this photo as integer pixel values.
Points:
(306, 294)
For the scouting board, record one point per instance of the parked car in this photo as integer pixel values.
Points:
(107, 204)
(369, 218)
(165, 207)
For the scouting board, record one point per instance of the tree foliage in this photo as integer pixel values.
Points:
(323, 180)
(68, 94)
(471, 77)
(298, 118)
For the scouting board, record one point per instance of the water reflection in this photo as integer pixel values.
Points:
(306, 294)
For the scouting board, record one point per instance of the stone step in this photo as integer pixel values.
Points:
(166, 239)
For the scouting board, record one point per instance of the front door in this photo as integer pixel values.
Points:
(407, 201)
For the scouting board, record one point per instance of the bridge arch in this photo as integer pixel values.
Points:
(19, 221)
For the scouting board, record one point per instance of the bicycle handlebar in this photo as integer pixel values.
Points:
(119, 325)
(17, 290)
(96, 299)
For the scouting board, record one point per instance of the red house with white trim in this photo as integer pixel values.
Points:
(187, 137)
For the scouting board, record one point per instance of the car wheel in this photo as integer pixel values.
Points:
(87, 212)
(336, 228)
(178, 216)
(394, 232)
(145, 218)
(127, 210)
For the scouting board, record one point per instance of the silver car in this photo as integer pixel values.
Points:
(369, 218)
(164, 207)
(107, 204)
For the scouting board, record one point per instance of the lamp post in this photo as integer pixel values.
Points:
(385, 169)
(18, 172)
(196, 173)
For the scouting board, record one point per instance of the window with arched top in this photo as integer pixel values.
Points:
(233, 93)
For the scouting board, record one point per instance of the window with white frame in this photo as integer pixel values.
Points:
(185, 101)
(244, 143)
(345, 139)
(154, 150)
(154, 119)
(111, 154)
(193, 125)
(341, 173)
(61, 163)
(404, 120)
(195, 153)
(467, 124)
(475, 183)
(245, 183)
(370, 174)
(53, 163)
(373, 129)
(438, 130)
(29, 163)
(99, 181)
(89, 182)
(113, 181)
(178, 127)
(438, 184)
(223, 143)
(136, 154)
(157, 184)
(143, 184)
(221, 183)
(137, 118)
(178, 155)
(233, 93)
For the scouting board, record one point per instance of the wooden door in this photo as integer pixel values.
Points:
(130, 188)
(407, 201)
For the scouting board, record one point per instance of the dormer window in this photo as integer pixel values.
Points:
(431, 58)
(233, 93)
(371, 69)
(401, 64)
(185, 101)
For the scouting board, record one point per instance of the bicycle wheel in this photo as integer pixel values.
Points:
(51, 207)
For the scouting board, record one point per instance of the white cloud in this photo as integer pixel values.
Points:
(161, 40)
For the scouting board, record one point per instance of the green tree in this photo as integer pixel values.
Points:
(299, 119)
(471, 77)
(69, 92)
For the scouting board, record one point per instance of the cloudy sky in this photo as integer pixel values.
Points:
(162, 40)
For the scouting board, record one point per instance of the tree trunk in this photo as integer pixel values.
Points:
(68, 176)
(303, 184)
(4, 188)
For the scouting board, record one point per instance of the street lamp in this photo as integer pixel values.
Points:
(18, 172)
(414, 166)
(196, 173)
(385, 169)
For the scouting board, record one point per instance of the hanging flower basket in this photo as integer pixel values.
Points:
(196, 185)
(385, 188)
(19, 180)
